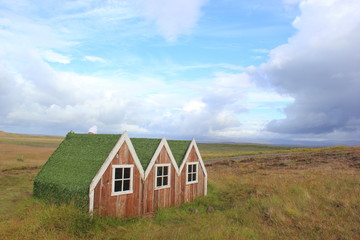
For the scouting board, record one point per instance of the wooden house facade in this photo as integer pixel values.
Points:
(137, 176)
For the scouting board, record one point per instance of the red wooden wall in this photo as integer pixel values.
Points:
(190, 192)
(145, 199)
(154, 199)
(128, 205)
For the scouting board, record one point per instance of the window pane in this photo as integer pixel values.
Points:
(194, 168)
(126, 172)
(118, 186)
(165, 181)
(189, 177)
(194, 176)
(159, 171)
(166, 169)
(118, 173)
(126, 185)
(189, 168)
(158, 182)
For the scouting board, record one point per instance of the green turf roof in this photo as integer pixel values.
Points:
(178, 149)
(145, 149)
(67, 174)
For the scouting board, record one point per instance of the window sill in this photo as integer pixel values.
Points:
(163, 187)
(121, 193)
(192, 182)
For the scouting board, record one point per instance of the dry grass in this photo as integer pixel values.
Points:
(19, 156)
(300, 196)
(30, 140)
(23, 151)
(308, 195)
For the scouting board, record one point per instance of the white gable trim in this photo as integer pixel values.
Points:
(183, 163)
(124, 138)
(202, 166)
(135, 156)
(162, 144)
(193, 144)
(200, 158)
(172, 158)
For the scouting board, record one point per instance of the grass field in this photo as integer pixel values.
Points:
(306, 195)
(221, 150)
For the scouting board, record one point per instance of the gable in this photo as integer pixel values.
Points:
(194, 146)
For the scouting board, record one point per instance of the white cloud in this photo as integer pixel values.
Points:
(194, 106)
(172, 18)
(37, 98)
(319, 68)
(59, 102)
(52, 56)
(94, 59)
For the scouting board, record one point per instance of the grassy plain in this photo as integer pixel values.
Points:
(221, 150)
(312, 194)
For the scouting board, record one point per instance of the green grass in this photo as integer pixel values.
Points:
(67, 174)
(178, 149)
(222, 150)
(145, 149)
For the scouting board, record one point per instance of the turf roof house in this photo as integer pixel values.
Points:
(113, 175)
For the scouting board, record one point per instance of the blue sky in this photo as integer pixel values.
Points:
(272, 71)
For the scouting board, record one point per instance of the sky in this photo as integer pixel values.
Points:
(267, 71)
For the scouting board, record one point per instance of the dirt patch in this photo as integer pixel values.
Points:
(20, 170)
(335, 159)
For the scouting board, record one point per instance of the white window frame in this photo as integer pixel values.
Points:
(131, 166)
(156, 176)
(187, 172)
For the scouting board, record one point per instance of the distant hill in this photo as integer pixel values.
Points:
(29, 140)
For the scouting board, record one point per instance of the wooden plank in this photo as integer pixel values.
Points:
(104, 194)
(97, 198)
(136, 188)
(155, 200)
(117, 206)
(150, 192)
(129, 205)
(183, 186)
(173, 187)
(122, 154)
(162, 198)
(121, 205)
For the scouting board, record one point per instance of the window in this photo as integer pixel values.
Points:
(192, 169)
(122, 179)
(162, 176)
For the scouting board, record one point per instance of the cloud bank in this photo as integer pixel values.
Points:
(315, 74)
(320, 68)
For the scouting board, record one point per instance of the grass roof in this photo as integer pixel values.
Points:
(145, 149)
(178, 149)
(67, 174)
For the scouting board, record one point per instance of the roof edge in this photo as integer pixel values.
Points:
(123, 138)
(193, 144)
(162, 144)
